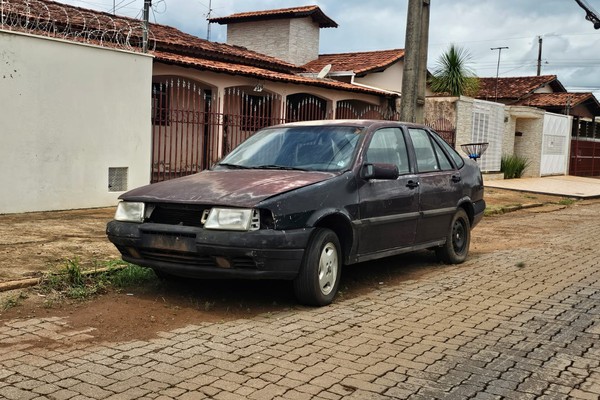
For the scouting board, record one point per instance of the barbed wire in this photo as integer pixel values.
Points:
(51, 19)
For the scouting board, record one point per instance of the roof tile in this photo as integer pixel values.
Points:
(260, 73)
(512, 88)
(294, 12)
(360, 62)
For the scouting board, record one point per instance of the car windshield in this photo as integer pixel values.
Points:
(310, 148)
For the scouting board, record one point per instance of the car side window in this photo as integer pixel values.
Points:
(424, 151)
(443, 160)
(388, 146)
(458, 160)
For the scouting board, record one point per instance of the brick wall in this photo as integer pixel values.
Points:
(293, 40)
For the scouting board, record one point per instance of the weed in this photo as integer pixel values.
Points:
(520, 264)
(13, 301)
(513, 166)
(72, 282)
(208, 305)
(566, 201)
(131, 275)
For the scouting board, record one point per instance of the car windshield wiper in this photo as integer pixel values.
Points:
(232, 166)
(282, 167)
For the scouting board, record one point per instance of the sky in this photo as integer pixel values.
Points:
(570, 44)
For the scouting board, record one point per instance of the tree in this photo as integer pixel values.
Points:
(452, 74)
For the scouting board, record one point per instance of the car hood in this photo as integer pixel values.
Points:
(238, 188)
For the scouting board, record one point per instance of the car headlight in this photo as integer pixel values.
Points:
(233, 219)
(130, 211)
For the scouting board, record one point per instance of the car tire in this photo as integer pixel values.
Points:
(319, 276)
(458, 239)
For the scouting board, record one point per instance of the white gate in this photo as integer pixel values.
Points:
(555, 144)
(488, 126)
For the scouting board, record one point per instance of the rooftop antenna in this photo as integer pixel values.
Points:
(208, 19)
(324, 71)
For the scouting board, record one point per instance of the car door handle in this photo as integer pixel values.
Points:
(412, 184)
(456, 178)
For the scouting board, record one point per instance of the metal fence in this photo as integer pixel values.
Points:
(190, 134)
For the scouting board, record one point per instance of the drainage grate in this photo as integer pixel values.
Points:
(117, 179)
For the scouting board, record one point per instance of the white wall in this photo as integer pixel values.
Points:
(69, 112)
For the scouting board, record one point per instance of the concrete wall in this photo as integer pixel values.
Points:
(390, 79)
(293, 40)
(69, 113)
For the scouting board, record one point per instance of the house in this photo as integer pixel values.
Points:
(124, 118)
(546, 93)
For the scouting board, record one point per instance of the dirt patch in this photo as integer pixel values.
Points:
(31, 244)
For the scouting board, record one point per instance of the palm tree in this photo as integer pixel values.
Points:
(452, 74)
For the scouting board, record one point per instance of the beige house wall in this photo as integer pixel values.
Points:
(69, 113)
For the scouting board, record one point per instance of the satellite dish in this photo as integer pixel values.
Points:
(323, 73)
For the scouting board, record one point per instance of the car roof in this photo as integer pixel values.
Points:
(365, 123)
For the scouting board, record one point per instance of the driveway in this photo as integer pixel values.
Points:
(520, 319)
(563, 185)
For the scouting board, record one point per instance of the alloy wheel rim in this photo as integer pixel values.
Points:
(328, 268)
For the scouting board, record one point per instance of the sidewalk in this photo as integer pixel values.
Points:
(568, 186)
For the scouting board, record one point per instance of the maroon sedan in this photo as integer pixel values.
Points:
(298, 201)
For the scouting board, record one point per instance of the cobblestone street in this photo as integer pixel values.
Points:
(521, 322)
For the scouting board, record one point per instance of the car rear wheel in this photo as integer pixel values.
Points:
(456, 248)
(319, 276)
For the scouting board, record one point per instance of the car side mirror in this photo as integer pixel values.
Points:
(379, 171)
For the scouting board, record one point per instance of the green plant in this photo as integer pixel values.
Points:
(13, 301)
(73, 282)
(452, 74)
(566, 201)
(130, 275)
(513, 166)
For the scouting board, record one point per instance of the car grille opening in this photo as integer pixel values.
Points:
(177, 214)
(194, 259)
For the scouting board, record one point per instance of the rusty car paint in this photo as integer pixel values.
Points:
(238, 188)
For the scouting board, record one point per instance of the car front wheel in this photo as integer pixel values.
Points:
(458, 239)
(319, 276)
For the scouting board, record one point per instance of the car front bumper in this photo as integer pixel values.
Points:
(202, 253)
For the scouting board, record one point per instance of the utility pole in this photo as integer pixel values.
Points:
(208, 19)
(146, 17)
(539, 60)
(422, 76)
(415, 52)
(498, 67)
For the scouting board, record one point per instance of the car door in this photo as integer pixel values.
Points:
(440, 187)
(388, 208)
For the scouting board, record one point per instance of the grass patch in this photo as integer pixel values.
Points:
(13, 301)
(71, 281)
(566, 201)
(513, 166)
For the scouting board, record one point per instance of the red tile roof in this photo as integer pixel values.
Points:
(295, 12)
(165, 37)
(360, 63)
(549, 100)
(260, 73)
(176, 47)
(515, 88)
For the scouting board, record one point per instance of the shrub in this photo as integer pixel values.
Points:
(513, 166)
